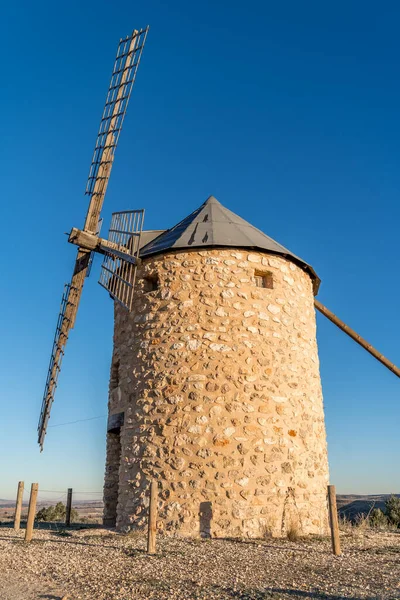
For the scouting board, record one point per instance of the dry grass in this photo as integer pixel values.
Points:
(361, 524)
(293, 533)
(135, 534)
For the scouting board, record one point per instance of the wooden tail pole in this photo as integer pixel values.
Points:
(31, 512)
(357, 338)
(18, 505)
(68, 508)
(333, 518)
(151, 537)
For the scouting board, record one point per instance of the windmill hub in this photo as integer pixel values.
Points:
(90, 242)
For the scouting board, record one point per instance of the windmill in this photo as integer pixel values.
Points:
(221, 370)
(120, 250)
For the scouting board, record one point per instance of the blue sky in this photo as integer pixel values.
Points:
(286, 112)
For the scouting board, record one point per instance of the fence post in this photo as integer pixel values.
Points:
(68, 508)
(152, 525)
(18, 505)
(31, 512)
(333, 518)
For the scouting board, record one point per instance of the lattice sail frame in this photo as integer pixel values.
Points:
(122, 79)
(68, 306)
(118, 272)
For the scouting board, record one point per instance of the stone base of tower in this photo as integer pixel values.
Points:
(218, 382)
(259, 517)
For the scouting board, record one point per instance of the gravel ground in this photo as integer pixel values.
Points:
(103, 565)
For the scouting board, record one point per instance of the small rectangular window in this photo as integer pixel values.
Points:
(114, 376)
(150, 284)
(264, 279)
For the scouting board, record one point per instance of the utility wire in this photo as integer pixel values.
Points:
(78, 421)
(78, 492)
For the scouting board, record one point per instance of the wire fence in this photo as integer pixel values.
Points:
(88, 511)
(86, 507)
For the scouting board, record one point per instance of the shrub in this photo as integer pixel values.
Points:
(392, 510)
(378, 519)
(55, 513)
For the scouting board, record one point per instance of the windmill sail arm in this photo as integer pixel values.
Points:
(356, 337)
(123, 77)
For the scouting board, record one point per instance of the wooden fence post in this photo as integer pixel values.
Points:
(18, 505)
(151, 537)
(333, 518)
(31, 512)
(68, 508)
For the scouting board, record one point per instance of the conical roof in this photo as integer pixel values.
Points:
(213, 225)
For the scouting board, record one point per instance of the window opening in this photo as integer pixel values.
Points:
(150, 284)
(111, 487)
(114, 375)
(264, 279)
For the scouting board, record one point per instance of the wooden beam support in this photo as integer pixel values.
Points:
(357, 338)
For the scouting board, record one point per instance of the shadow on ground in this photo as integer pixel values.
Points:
(264, 544)
(52, 526)
(64, 540)
(282, 593)
(224, 592)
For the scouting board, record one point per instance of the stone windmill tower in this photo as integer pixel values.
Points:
(215, 387)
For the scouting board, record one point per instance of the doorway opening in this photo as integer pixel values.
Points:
(111, 479)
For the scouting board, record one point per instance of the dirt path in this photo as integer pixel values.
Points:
(12, 587)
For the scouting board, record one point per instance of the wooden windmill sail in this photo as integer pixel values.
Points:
(121, 249)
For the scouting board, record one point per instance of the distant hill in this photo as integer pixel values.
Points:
(6, 503)
(11, 503)
(351, 505)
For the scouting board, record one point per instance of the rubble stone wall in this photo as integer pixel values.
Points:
(219, 383)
